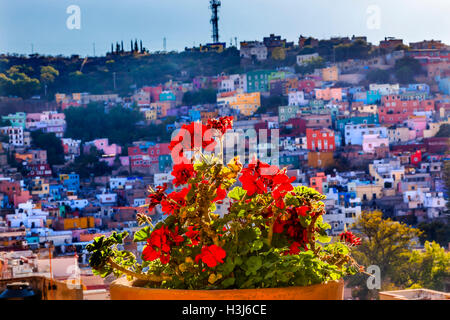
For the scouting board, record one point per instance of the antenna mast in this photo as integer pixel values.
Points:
(215, 5)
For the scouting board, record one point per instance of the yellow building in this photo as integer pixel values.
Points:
(370, 108)
(40, 187)
(330, 74)
(247, 103)
(78, 223)
(150, 114)
(59, 97)
(367, 192)
(399, 134)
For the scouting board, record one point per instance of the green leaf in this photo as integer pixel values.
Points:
(254, 263)
(324, 238)
(142, 235)
(228, 282)
(237, 193)
(257, 245)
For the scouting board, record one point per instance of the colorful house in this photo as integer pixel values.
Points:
(258, 81)
(17, 119)
(321, 140)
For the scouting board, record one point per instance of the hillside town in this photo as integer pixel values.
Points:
(369, 133)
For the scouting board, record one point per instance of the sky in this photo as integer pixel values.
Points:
(41, 25)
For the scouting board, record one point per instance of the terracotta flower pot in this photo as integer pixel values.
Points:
(122, 289)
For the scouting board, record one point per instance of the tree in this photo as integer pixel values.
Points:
(89, 164)
(310, 66)
(48, 74)
(444, 131)
(279, 53)
(50, 143)
(435, 231)
(406, 69)
(428, 269)
(386, 244)
(203, 96)
(378, 76)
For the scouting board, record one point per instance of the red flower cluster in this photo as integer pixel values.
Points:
(256, 177)
(294, 229)
(222, 124)
(159, 244)
(220, 194)
(182, 173)
(211, 255)
(174, 201)
(350, 238)
(260, 176)
(193, 235)
(190, 137)
(158, 196)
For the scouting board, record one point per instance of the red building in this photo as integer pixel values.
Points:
(154, 92)
(39, 170)
(395, 110)
(296, 126)
(148, 155)
(416, 158)
(307, 86)
(322, 140)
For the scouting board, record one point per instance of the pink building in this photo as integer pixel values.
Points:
(47, 121)
(317, 182)
(104, 146)
(329, 94)
(417, 124)
(142, 98)
(373, 141)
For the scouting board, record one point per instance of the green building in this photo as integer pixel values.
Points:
(17, 119)
(258, 81)
(370, 119)
(287, 112)
(290, 161)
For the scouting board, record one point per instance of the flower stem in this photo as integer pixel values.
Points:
(146, 277)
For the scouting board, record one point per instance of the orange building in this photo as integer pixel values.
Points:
(317, 181)
(75, 223)
(320, 159)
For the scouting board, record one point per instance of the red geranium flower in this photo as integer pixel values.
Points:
(211, 255)
(220, 194)
(174, 201)
(158, 196)
(193, 235)
(222, 124)
(192, 137)
(350, 238)
(293, 249)
(158, 246)
(182, 173)
(302, 211)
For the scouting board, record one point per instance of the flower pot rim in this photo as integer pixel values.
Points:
(123, 282)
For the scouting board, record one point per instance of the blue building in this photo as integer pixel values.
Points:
(195, 115)
(70, 181)
(373, 97)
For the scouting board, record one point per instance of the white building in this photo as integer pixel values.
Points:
(254, 49)
(234, 82)
(385, 89)
(304, 58)
(27, 215)
(354, 133)
(17, 136)
(297, 98)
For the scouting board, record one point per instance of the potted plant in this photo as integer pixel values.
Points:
(270, 244)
